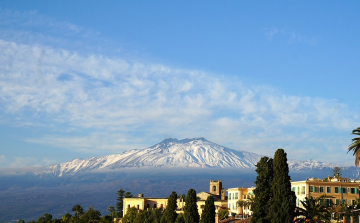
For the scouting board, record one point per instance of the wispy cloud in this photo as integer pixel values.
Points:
(291, 36)
(117, 102)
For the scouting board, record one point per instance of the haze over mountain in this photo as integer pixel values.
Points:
(174, 153)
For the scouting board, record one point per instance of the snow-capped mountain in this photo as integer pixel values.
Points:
(197, 152)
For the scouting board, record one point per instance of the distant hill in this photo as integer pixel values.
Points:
(174, 153)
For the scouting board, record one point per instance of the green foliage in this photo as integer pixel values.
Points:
(355, 146)
(111, 209)
(46, 218)
(130, 215)
(20, 221)
(128, 194)
(120, 203)
(153, 215)
(208, 214)
(283, 200)
(79, 211)
(313, 211)
(170, 214)
(91, 215)
(180, 218)
(66, 218)
(222, 213)
(262, 192)
(191, 213)
(106, 219)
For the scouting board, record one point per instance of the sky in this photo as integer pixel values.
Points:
(81, 79)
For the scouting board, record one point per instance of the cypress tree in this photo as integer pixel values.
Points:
(170, 211)
(208, 214)
(120, 203)
(262, 192)
(283, 201)
(191, 213)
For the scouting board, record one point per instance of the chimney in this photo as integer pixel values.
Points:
(141, 195)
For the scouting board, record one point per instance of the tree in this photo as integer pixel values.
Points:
(222, 213)
(66, 218)
(20, 221)
(208, 214)
(128, 194)
(170, 214)
(46, 218)
(191, 213)
(120, 203)
(180, 218)
(336, 172)
(355, 146)
(262, 192)
(313, 211)
(91, 215)
(153, 215)
(111, 209)
(79, 211)
(283, 200)
(130, 215)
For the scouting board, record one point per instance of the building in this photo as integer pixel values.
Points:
(144, 203)
(239, 194)
(340, 190)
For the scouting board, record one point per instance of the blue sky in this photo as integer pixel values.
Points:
(90, 78)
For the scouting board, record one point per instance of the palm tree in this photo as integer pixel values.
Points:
(355, 146)
(313, 211)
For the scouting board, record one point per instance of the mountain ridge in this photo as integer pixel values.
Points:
(174, 153)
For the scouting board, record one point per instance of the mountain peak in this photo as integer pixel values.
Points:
(182, 141)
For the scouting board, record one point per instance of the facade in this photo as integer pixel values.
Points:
(340, 190)
(144, 203)
(239, 194)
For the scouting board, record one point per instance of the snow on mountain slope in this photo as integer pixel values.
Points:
(197, 152)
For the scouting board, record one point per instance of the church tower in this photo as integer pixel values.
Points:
(216, 187)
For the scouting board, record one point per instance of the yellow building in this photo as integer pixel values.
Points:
(239, 194)
(144, 203)
(340, 190)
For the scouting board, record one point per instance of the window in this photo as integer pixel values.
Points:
(352, 190)
(303, 190)
(337, 190)
(328, 190)
(236, 195)
(321, 189)
(337, 201)
(214, 188)
(138, 206)
(148, 206)
(229, 196)
(128, 206)
(162, 206)
(154, 205)
(353, 202)
(343, 190)
(311, 189)
(344, 201)
(293, 189)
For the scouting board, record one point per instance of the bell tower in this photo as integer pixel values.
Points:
(215, 187)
